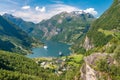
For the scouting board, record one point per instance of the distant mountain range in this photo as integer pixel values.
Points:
(64, 27)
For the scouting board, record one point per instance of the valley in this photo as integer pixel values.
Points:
(68, 46)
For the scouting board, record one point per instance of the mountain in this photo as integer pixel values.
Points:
(14, 39)
(29, 27)
(66, 27)
(103, 31)
(102, 44)
(106, 29)
(106, 26)
(24, 25)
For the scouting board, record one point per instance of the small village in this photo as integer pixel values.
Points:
(60, 64)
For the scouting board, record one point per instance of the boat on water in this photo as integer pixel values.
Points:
(45, 47)
(60, 53)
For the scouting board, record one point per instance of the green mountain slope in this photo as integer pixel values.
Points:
(66, 27)
(29, 27)
(106, 26)
(26, 26)
(12, 38)
(104, 32)
(104, 35)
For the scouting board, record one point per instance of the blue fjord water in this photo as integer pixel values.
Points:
(52, 49)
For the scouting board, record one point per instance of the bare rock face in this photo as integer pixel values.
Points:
(87, 44)
(94, 57)
(87, 73)
(50, 33)
(45, 30)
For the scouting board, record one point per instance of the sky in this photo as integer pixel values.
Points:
(38, 10)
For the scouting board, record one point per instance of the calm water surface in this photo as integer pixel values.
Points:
(52, 49)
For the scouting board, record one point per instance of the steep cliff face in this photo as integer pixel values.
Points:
(87, 73)
(88, 70)
(87, 44)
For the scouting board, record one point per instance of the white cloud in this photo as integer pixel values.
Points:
(91, 11)
(38, 14)
(25, 7)
(43, 9)
(62, 8)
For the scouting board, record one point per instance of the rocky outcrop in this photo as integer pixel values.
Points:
(91, 60)
(87, 44)
(87, 72)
